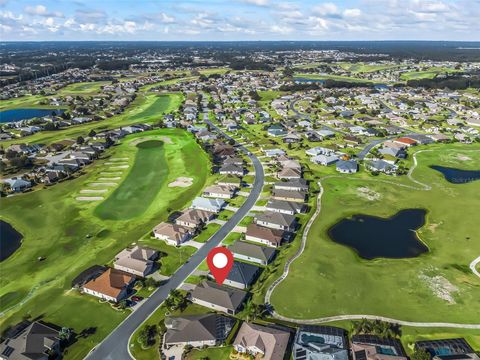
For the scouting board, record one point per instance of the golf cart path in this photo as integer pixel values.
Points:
(422, 187)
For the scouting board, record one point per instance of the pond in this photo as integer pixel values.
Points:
(457, 176)
(10, 240)
(374, 237)
(25, 114)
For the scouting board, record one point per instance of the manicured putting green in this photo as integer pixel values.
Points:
(147, 176)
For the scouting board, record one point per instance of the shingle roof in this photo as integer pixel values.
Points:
(223, 296)
(251, 250)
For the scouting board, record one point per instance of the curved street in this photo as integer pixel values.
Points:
(115, 346)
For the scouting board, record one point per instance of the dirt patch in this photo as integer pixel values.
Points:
(441, 287)
(432, 227)
(181, 182)
(369, 194)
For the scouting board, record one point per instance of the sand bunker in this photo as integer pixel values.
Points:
(119, 167)
(111, 173)
(181, 182)
(89, 198)
(463, 158)
(110, 178)
(103, 184)
(96, 191)
(119, 159)
(116, 163)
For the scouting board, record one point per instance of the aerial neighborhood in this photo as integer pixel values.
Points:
(342, 181)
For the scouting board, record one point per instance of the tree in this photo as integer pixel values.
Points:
(176, 300)
(147, 335)
(65, 334)
(255, 311)
(420, 354)
(288, 72)
(92, 133)
(80, 140)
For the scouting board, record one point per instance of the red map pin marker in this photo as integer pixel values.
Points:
(220, 262)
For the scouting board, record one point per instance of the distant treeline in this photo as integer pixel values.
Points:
(453, 83)
(330, 84)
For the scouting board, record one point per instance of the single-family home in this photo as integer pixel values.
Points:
(173, 234)
(273, 152)
(320, 342)
(219, 191)
(347, 166)
(137, 260)
(241, 276)
(208, 204)
(405, 141)
(324, 160)
(292, 185)
(17, 184)
(443, 349)
(276, 130)
(232, 169)
(264, 235)
(276, 220)
(218, 297)
(263, 342)
(194, 218)
(254, 253)
(197, 330)
(289, 195)
(371, 347)
(381, 166)
(112, 285)
(31, 340)
(285, 207)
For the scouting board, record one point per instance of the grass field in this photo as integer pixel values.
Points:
(146, 108)
(330, 77)
(407, 289)
(427, 74)
(71, 238)
(83, 88)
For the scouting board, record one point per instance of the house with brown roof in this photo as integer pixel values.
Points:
(138, 260)
(266, 342)
(405, 141)
(218, 297)
(289, 173)
(370, 347)
(112, 285)
(173, 234)
(194, 218)
(264, 235)
(220, 191)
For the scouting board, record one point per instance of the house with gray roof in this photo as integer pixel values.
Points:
(17, 184)
(381, 166)
(197, 330)
(285, 207)
(324, 160)
(320, 343)
(213, 205)
(293, 184)
(36, 341)
(254, 253)
(218, 297)
(276, 220)
(136, 260)
(347, 166)
(289, 195)
(242, 275)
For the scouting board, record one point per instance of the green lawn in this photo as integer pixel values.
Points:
(71, 237)
(213, 353)
(83, 88)
(134, 195)
(207, 232)
(426, 74)
(347, 284)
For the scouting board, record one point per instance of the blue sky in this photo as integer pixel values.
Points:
(239, 20)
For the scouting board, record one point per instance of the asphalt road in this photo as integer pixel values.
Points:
(115, 346)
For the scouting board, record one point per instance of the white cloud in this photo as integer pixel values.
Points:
(352, 13)
(326, 9)
(41, 10)
(281, 29)
(257, 2)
